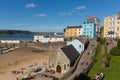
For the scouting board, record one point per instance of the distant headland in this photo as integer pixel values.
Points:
(2, 32)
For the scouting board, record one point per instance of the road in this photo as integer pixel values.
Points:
(85, 60)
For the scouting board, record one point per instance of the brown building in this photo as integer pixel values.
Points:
(63, 59)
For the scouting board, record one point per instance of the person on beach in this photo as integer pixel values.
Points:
(17, 78)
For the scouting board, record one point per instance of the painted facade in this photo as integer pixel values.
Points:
(73, 31)
(117, 28)
(106, 26)
(78, 45)
(111, 25)
(89, 30)
(96, 21)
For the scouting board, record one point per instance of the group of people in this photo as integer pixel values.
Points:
(99, 76)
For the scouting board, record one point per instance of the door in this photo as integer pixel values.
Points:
(58, 69)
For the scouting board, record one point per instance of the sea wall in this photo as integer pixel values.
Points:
(41, 46)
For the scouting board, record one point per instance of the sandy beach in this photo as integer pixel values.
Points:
(21, 58)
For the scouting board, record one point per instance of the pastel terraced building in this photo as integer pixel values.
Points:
(96, 21)
(73, 31)
(117, 28)
(91, 27)
(88, 30)
(106, 26)
(111, 26)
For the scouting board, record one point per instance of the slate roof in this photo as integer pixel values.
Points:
(71, 53)
(74, 26)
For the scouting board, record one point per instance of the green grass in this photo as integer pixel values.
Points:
(112, 72)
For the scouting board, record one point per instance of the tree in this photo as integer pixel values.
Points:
(101, 40)
(101, 30)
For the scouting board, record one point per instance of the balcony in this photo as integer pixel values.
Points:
(111, 32)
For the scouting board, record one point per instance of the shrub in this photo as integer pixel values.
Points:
(98, 39)
(115, 51)
(101, 40)
(118, 43)
(107, 64)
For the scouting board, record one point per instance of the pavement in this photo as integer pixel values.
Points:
(85, 61)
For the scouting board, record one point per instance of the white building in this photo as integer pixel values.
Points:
(38, 38)
(78, 45)
(46, 38)
(10, 41)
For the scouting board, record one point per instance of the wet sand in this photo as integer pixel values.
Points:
(21, 58)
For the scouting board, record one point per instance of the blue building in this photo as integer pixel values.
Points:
(78, 45)
(89, 30)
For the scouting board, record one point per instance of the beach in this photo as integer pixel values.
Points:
(20, 59)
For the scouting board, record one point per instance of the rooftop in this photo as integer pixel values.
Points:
(71, 53)
(74, 26)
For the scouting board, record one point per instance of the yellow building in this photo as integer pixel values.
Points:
(73, 31)
(106, 26)
(117, 28)
(111, 26)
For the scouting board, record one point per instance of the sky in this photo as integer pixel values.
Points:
(52, 15)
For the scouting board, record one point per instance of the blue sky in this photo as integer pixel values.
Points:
(52, 15)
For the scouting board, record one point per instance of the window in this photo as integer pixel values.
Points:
(67, 32)
(70, 34)
(64, 66)
(90, 31)
(53, 65)
(118, 22)
(91, 36)
(68, 65)
(85, 29)
(117, 28)
(79, 46)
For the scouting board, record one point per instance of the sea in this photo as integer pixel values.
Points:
(18, 36)
(24, 36)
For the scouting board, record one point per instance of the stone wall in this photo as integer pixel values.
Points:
(110, 43)
(41, 46)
